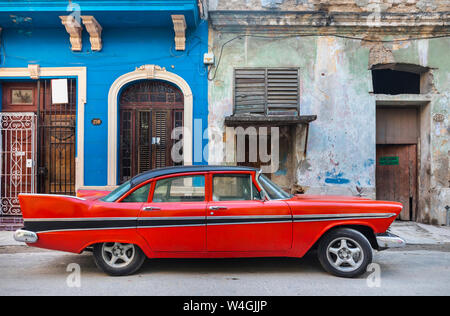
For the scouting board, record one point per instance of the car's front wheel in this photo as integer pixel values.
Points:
(345, 252)
(117, 258)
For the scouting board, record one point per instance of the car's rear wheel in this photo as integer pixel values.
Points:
(117, 258)
(345, 252)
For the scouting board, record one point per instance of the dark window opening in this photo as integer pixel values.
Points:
(386, 81)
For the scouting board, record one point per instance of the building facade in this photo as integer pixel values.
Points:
(328, 97)
(371, 105)
(91, 91)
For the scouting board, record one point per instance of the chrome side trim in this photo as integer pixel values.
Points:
(158, 226)
(84, 229)
(244, 223)
(78, 219)
(173, 218)
(348, 216)
(249, 216)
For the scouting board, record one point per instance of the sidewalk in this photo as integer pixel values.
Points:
(421, 234)
(413, 233)
(7, 239)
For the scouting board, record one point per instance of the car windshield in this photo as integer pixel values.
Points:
(273, 191)
(117, 193)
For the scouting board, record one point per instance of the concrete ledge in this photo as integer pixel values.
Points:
(269, 120)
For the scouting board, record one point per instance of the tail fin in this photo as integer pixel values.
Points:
(51, 206)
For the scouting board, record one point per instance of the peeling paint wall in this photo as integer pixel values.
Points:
(336, 85)
(404, 6)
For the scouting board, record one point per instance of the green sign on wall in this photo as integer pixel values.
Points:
(388, 161)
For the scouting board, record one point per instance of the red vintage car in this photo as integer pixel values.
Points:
(208, 212)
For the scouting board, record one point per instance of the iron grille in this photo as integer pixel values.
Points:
(56, 141)
(17, 156)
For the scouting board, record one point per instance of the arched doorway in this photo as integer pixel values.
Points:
(149, 111)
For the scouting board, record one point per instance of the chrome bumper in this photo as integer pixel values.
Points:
(388, 240)
(25, 236)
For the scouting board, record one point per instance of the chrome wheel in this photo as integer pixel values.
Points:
(345, 254)
(118, 255)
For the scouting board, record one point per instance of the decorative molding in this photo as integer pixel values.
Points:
(95, 31)
(146, 72)
(34, 71)
(57, 72)
(74, 29)
(150, 70)
(329, 23)
(179, 26)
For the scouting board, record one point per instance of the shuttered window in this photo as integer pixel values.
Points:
(268, 91)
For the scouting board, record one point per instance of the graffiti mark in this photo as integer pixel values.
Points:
(335, 178)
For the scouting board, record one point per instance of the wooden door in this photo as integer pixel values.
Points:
(396, 177)
(149, 111)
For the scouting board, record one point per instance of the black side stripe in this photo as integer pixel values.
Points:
(46, 226)
(256, 220)
(40, 226)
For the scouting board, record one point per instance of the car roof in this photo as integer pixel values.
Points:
(182, 169)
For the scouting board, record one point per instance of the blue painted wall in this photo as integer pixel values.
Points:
(124, 49)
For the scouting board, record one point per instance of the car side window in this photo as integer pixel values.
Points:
(234, 188)
(139, 195)
(180, 189)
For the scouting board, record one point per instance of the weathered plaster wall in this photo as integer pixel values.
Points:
(434, 149)
(336, 86)
(407, 6)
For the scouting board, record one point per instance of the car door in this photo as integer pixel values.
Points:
(175, 218)
(239, 220)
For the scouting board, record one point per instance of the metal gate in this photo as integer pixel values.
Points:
(56, 141)
(17, 159)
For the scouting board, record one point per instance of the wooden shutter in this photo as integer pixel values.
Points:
(144, 144)
(269, 91)
(249, 91)
(282, 91)
(159, 138)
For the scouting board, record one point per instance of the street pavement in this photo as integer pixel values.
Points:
(419, 269)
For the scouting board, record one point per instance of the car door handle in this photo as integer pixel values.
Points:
(151, 208)
(215, 208)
